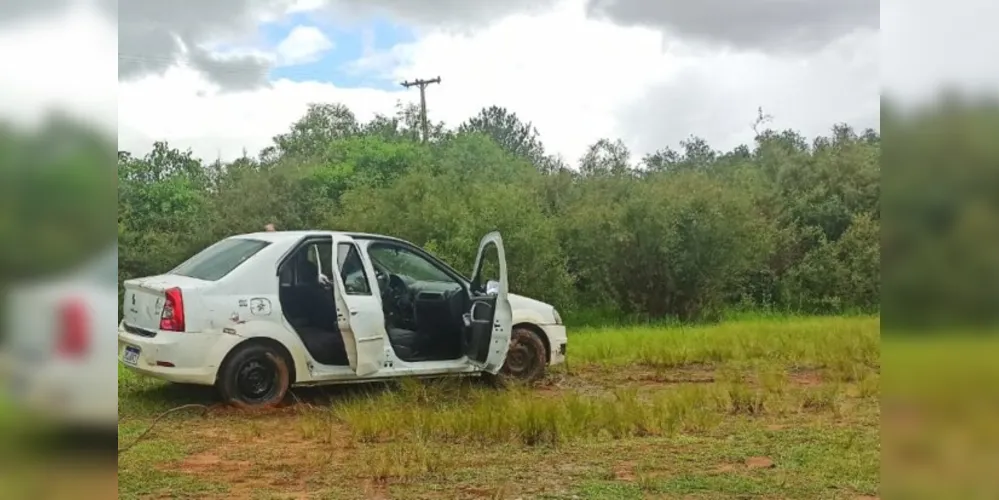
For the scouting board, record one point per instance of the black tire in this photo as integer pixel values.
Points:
(527, 360)
(255, 376)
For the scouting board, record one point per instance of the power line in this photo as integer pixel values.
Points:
(423, 101)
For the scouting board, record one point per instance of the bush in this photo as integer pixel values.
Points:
(787, 224)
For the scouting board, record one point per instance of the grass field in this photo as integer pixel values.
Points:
(756, 408)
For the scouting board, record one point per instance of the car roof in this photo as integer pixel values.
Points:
(277, 236)
(281, 236)
(295, 236)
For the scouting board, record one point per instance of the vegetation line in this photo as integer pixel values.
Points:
(787, 224)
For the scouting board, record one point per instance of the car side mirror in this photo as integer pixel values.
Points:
(492, 287)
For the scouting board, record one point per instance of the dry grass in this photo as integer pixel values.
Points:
(452, 413)
(783, 409)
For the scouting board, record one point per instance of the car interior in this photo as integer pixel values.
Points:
(424, 306)
(308, 303)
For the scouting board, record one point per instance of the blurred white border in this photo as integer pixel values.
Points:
(62, 60)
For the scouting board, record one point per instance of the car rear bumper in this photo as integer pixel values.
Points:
(182, 358)
(62, 393)
(558, 339)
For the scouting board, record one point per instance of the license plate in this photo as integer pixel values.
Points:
(131, 356)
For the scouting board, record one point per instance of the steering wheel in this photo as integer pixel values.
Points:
(400, 307)
(398, 290)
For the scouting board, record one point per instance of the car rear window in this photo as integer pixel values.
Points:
(220, 259)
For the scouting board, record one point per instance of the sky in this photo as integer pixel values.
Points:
(223, 77)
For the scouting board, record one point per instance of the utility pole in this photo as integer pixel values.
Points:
(423, 102)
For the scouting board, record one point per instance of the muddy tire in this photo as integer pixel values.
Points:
(526, 362)
(254, 377)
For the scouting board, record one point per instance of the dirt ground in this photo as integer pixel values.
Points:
(303, 451)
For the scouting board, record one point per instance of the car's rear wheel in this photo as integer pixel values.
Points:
(526, 361)
(255, 376)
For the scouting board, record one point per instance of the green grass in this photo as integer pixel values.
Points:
(940, 431)
(452, 413)
(648, 412)
(802, 343)
(141, 475)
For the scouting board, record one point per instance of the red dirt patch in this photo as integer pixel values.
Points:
(625, 471)
(807, 378)
(599, 379)
(757, 463)
(200, 463)
(265, 451)
(299, 450)
(726, 469)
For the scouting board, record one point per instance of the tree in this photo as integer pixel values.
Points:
(697, 156)
(509, 132)
(321, 125)
(785, 222)
(606, 157)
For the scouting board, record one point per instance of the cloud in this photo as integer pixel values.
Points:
(303, 45)
(234, 71)
(461, 15)
(42, 72)
(566, 73)
(577, 77)
(297, 6)
(929, 45)
(109, 8)
(154, 35)
(184, 108)
(15, 11)
(769, 25)
(717, 97)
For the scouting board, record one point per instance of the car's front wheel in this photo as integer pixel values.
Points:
(255, 376)
(526, 361)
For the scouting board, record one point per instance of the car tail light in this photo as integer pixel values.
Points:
(74, 332)
(172, 319)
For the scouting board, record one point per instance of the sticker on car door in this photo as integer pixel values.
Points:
(260, 307)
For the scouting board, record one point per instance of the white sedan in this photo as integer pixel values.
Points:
(258, 313)
(56, 357)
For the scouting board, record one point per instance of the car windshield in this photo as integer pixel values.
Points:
(404, 262)
(220, 259)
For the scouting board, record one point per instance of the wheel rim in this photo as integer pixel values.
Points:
(257, 380)
(519, 360)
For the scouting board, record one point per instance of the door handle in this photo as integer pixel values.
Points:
(353, 312)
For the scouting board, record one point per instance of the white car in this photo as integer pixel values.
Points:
(56, 357)
(255, 314)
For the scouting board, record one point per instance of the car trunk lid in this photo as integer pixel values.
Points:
(145, 298)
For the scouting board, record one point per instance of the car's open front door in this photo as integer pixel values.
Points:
(489, 320)
(363, 340)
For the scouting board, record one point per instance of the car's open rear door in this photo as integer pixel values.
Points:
(365, 345)
(489, 320)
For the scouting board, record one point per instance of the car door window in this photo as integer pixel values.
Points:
(355, 280)
(325, 256)
(305, 265)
